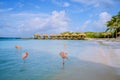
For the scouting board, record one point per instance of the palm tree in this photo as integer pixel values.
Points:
(113, 25)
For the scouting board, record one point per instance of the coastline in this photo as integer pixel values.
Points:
(105, 39)
(98, 39)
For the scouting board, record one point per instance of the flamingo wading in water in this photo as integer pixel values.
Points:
(25, 55)
(63, 56)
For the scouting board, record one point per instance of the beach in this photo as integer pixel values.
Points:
(102, 63)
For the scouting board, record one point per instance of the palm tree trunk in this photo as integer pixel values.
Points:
(116, 33)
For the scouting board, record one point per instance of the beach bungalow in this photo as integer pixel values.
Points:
(37, 36)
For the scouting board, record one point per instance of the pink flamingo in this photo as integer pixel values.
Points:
(25, 55)
(17, 47)
(63, 56)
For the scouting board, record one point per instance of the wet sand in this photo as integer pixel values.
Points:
(88, 71)
(96, 63)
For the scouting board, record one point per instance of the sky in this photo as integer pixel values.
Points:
(24, 18)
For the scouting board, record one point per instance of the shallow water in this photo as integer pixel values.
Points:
(88, 60)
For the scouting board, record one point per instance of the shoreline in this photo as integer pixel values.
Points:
(91, 39)
(106, 39)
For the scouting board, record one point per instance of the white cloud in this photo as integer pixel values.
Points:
(66, 4)
(95, 3)
(103, 18)
(96, 25)
(26, 24)
(81, 28)
(56, 22)
(85, 25)
(29, 15)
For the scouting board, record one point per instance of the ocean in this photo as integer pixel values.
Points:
(87, 60)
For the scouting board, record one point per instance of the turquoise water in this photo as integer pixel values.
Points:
(44, 62)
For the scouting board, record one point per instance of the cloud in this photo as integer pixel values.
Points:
(85, 25)
(103, 18)
(61, 3)
(96, 25)
(6, 10)
(66, 4)
(95, 3)
(30, 23)
(29, 15)
(56, 22)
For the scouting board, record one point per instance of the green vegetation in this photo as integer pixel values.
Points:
(98, 34)
(113, 25)
(74, 35)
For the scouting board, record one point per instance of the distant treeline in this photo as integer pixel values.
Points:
(9, 38)
(75, 35)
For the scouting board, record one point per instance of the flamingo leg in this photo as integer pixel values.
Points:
(63, 63)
